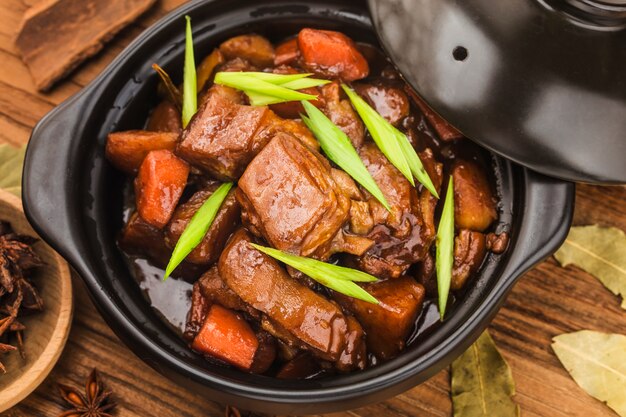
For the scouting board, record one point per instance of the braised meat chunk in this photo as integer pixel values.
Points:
(225, 223)
(400, 235)
(221, 139)
(261, 282)
(301, 307)
(296, 205)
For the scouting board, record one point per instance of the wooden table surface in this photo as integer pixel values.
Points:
(546, 302)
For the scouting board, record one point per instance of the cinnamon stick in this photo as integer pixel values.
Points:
(57, 35)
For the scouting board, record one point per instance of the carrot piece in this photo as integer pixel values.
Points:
(332, 53)
(228, 337)
(127, 150)
(159, 185)
(287, 52)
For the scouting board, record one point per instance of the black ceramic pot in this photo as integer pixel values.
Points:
(73, 198)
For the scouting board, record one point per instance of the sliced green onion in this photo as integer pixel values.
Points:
(382, 135)
(270, 77)
(393, 143)
(172, 91)
(335, 277)
(304, 83)
(417, 168)
(264, 88)
(245, 82)
(445, 248)
(198, 227)
(190, 84)
(337, 146)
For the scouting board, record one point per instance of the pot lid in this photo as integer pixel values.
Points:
(541, 82)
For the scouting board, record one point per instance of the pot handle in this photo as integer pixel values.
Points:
(547, 210)
(48, 183)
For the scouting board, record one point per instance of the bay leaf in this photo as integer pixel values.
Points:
(600, 251)
(597, 362)
(482, 383)
(11, 163)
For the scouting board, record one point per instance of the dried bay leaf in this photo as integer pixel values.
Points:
(597, 362)
(11, 162)
(482, 383)
(600, 251)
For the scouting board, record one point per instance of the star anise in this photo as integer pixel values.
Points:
(95, 403)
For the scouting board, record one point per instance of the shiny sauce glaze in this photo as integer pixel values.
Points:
(238, 307)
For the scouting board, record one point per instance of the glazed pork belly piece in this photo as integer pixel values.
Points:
(224, 224)
(403, 235)
(224, 136)
(318, 324)
(388, 324)
(165, 118)
(340, 112)
(289, 197)
(222, 139)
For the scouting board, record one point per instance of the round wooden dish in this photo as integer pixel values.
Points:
(46, 332)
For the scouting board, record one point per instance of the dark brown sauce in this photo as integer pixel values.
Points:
(171, 299)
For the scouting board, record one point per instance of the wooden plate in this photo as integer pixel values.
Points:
(47, 331)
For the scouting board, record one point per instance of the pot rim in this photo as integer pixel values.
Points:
(47, 204)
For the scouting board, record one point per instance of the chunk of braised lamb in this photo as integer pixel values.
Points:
(389, 323)
(159, 185)
(295, 205)
(302, 366)
(255, 48)
(428, 202)
(355, 354)
(425, 274)
(207, 68)
(214, 289)
(127, 150)
(197, 312)
(497, 242)
(224, 224)
(474, 201)
(259, 280)
(444, 130)
(341, 113)
(287, 53)
(227, 93)
(331, 54)
(469, 252)
(141, 239)
(265, 354)
(390, 102)
(400, 235)
(221, 138)
(165, 118)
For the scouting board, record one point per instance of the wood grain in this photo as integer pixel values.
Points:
(547, 301)
(55, 36)
(46, 332)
